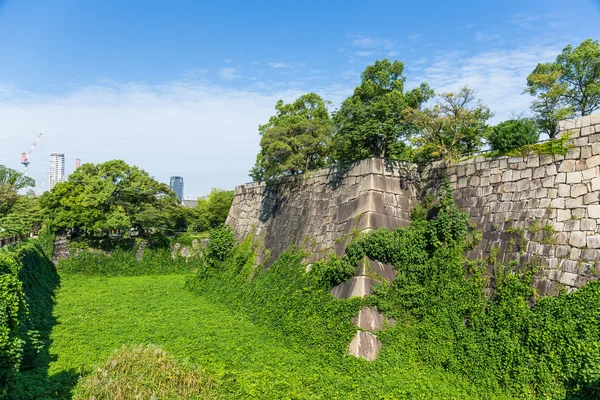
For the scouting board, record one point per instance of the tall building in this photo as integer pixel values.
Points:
(57, 169)
(177, 186)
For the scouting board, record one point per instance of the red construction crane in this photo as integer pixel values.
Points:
(25, 156)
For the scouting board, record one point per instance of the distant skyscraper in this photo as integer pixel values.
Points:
(177, 186)
(57, 169)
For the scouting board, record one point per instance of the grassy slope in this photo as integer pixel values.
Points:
(96, 315)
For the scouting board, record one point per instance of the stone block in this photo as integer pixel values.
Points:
(588, 224)
(568, 278)
(577, 239)
(548, 182)
(369, 319)
(539, 173)
(567, 166)
(563, 215)
(593, 242)
(593, 161)
(593, 211)
(579, 212)
(357, 286)
(365, 345)
(564, 190)
(578, 190)
(571, 225)
(586, 152)
(596, 184)
(595, 148)
(590, 198)
(573, 154)
(561, 178)
(558, 202)
(574, 177)
(589, 173)
(546, 160)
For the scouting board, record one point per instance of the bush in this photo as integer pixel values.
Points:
(220, 244)
(144, 372)
(513, 134)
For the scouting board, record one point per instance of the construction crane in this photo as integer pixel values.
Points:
(25, 156)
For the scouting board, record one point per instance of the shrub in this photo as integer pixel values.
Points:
(144, 372)
(513, 134)
(220, 244)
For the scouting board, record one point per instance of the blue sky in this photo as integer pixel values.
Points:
(180, 87)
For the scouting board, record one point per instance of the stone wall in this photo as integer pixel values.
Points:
(318, 212)
(512, 199)
(539, 210)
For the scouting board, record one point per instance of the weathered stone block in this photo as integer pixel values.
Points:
(357, 286)
(593, 211)
(577, 239)
(578, 190)
(365, 345)
(369, 319)
(590, 198)
(563, 215)
(561, 178)
(567, 166)
(574, 177)
(593, 242)
(593, 161)
(564, 190)
(588, 224)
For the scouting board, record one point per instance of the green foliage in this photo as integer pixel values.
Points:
(451, 128)
(11, 181)
(144, 372)
(111, 196)
(294, 140)
(513, 134)
(211, 212)
(371, 122)
(549, 147)
(27, 282)
(566, 87)
(220, 244)
(23, 217)
(123, 262)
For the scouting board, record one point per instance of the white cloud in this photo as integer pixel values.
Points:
(365, 53)
(206, 133)
(486, 37)
(367, 42)
(414, 36)
(228, 73)
(278, 65)
(497, 76)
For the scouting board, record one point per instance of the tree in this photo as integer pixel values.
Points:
(11, 181)
(110, 196)
(212, 211)
(513, 134)
(371, 123)
(567, 87)
(294, 140)
(452, 127)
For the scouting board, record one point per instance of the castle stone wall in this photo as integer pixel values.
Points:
(540, 210)
(319, 211)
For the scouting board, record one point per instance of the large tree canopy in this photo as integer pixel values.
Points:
(566, 87)
(295, 138)
(110, 196)
(371, 122)
(453, 127)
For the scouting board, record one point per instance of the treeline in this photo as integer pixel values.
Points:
(382, 119)
(98, 200)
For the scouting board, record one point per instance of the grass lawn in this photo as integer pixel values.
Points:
(97, 315)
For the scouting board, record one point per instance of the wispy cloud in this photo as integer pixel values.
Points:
(365, 53)
(486, 37)
(497, 76)
(278, 65)
(415, 36)
(368, 42)
(229, 73)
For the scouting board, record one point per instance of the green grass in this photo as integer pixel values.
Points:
(98, 315)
